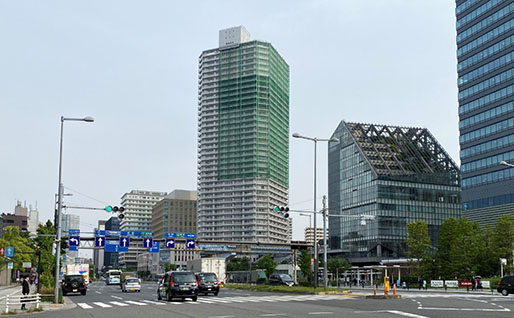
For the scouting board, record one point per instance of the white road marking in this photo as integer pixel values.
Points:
(102, 305)
(221, 316)
(406, 314)
(84, 306)
(135, 303)
(321, 313)
(118, 303)
(464, 309)
(205, 301)
(174, 303)
(98, 292)
(116, 297)
(153, 302)
(272, 315)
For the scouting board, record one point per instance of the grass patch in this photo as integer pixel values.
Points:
(10, 312)
(35, 309)
(285, 289)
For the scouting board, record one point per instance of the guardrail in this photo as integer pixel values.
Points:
(18, 300)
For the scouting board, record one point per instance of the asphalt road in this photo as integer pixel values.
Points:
(108, 301)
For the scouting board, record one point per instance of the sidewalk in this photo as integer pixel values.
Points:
(380, 289)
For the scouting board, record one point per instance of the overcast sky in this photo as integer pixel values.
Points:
(133, 66)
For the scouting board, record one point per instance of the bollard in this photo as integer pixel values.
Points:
(394, 289)
(375, 290)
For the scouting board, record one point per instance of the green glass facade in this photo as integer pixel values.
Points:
(253, 113)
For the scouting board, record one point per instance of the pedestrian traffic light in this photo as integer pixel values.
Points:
(283, 209)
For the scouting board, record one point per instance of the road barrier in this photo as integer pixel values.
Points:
(18, 300)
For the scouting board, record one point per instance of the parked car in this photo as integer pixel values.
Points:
(208, 283)
(506, 285)
(178, 285)
(73, 284)
(131, 284)
(281, 279)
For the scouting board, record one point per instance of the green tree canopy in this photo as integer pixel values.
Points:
(268, 264)
(503, 238)
(13, 237)
(337, 265)
(418, 243)
(304, 262)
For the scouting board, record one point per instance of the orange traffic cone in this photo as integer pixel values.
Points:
(394, 289)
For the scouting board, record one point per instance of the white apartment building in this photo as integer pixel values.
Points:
(243, 140)
(138, 217)
(309, 234)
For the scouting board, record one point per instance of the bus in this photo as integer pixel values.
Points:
(113, 277)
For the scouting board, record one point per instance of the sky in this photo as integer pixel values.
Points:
(133, 66)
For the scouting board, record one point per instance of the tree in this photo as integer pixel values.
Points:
(487, 262)
(169, 267)
(447, 234)
(44, 244)
(238, 264)
(337, 265)
(465, 248)
(268, 264)
(418, 243)
(304, 262)
(503, 238)
(12, 237)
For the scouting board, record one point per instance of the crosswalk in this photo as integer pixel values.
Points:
(209, 300)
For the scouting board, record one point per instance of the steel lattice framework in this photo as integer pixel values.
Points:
(394, 152)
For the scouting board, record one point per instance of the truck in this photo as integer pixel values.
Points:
(113, 277)
(209, 265)
(78, 269)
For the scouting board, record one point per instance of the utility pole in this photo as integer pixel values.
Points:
(325, 275)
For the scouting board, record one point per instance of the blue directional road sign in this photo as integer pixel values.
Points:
(155, 248)
(112, 246)
(170, 243)
(147, 242)
(9, 251)
(190, 243)
(73, 248)
(99, 241)
(74, 241)
(190, 235)
(124, 242)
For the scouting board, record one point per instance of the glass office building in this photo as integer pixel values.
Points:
(243, 140)
(485, 53)
(380, 178)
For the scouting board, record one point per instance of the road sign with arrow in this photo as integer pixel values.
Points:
(170, 243)
(9, 251)
(124, 241)
(148, 242)
(74, 241)
(99, 241)
(190, 243)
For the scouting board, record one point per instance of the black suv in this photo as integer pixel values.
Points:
(178, 285)
(73, 284)
(281, 279)
(506, 285)
(208, 283)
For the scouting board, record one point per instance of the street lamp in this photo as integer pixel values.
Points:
(505, 163)
(315, 140)
(59, 208)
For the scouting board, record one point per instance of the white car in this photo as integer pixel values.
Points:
(131, 284)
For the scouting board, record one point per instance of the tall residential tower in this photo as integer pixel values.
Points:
(243, 140)
(485, 52)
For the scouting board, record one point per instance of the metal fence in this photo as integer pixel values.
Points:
(15, 301)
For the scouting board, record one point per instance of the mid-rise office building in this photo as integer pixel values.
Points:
(138, 206)
(176, 213)
(243, 140)
(485, 53)
(380, 178)
(309, 234)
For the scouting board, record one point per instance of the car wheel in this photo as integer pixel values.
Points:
(159, 296)
(505, 292)
(216, 293)
(83, 293)
(194, 298)
(169, 297)
(139, 291)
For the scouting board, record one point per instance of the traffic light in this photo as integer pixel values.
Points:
(283, 209)
(116, 209)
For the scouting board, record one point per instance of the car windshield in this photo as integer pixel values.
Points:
(285, 277)
(78, 277)
(132, 281)
(184, 278)
(208, 277)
